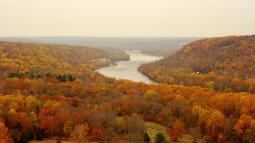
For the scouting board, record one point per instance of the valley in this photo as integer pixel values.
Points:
(57, 93)
(127, 71)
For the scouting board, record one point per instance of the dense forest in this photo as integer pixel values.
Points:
(224, 64)
(52, 92)
(152, 46)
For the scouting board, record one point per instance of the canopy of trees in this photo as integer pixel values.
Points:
(224, 64)
(50, 101)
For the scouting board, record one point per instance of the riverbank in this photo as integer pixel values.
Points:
(128, 69)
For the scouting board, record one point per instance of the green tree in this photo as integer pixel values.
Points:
(147, 138)
(160, 138)
(121, 125)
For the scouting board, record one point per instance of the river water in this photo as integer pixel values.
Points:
(128, 69)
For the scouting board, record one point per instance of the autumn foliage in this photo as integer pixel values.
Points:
(4, 134)
(177, 130)
(223, 64)
(58, 97)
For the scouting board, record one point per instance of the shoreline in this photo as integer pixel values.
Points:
(128, 70)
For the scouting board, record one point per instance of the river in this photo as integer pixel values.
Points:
(128, 69)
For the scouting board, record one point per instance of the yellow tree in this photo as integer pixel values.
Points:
(215, 125)
(68, 128)
(80, 133)
(149, 95)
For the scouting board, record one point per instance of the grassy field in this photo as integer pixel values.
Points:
(154, 128)
(188, 139)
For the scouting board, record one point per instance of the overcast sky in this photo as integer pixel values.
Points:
(127, 18)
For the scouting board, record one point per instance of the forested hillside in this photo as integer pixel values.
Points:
(61, 99)
(224, 63)
(47, 59)
(153, 46)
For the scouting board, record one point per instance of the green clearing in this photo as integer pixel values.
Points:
(154, 128)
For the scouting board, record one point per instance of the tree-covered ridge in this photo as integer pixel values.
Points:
(209, 62)
(47, 58)
(88, 107)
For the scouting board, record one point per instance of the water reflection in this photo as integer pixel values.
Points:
(128, 69)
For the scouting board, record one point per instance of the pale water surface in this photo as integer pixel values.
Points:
(128, 69)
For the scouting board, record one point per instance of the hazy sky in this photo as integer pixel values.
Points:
(149, 18)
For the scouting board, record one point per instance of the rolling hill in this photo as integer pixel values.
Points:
(223, 60)
(50, 93)
(27, 57)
